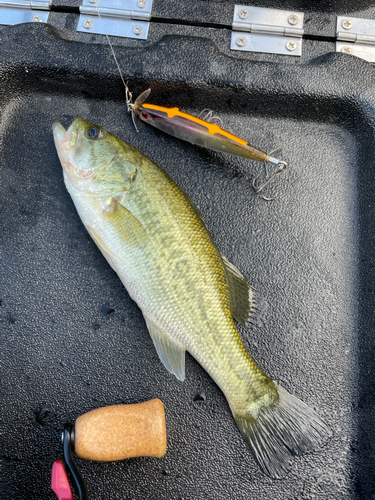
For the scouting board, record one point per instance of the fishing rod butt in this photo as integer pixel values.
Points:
(121, 431)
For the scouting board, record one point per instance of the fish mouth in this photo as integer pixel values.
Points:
(58, 133)
(65, 140)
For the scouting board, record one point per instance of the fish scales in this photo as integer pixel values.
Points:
(179, 235)
(155, 239)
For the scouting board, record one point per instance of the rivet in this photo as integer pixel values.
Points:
(93, 1)
(347, 50)
(138, 30)
(243, 14)
(88, 24)
(347, 24)
(241, 41)
(293, 19)
(142, 4)
(291, 46)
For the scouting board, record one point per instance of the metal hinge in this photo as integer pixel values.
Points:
(356, 36)
(24, 11)
(125, 18)
(271, 30)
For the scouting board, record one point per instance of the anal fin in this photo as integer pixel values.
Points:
(170, 354)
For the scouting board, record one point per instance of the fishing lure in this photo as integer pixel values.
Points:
(201, 132)
(196, 130)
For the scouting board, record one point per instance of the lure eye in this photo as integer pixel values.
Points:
(144, 115)
(94, 133)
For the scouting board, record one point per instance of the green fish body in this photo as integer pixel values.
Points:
(155, 239)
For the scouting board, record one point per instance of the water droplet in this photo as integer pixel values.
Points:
(200, 396)
(107, 309)
(41, 415)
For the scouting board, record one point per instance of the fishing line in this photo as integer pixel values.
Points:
(128, 94)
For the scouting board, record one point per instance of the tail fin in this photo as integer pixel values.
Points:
(278, 433)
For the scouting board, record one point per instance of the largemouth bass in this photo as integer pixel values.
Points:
(190, 295)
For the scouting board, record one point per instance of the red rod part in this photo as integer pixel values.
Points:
(59, 481)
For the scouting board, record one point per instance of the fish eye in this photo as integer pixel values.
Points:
(94, 133)
(144, 115)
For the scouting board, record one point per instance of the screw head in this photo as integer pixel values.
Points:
(291, 46)
(347, 24)
(37, 19)
(241, 41)
(293, 19)
(347, 50)
(138, 30)
(88, 24)
(243, 14)
(142, 4)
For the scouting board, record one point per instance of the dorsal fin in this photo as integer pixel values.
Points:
(241, 293)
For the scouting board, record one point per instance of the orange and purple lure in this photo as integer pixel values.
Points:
(201, 132)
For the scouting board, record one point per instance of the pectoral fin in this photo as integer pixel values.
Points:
(241, 293)
(170, 354)
(129, 227)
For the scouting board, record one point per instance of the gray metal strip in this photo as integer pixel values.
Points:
(356, 37)
(362, 50)
(273, 31)
(128, 19)
(245, 16)
(270, 44)
(18, 15)
(126, 28)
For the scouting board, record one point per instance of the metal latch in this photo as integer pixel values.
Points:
(356, 36)
(257, 29)
(24, 11)
(125, 18)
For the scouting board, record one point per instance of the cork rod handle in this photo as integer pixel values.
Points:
(122, 431)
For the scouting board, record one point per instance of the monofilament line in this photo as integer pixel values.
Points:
(127, 91)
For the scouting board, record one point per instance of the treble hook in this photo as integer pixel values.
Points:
(269, 159)
(208, 116)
